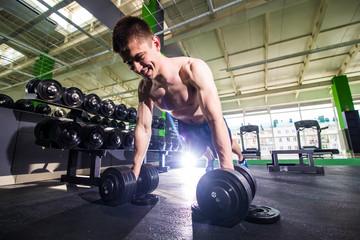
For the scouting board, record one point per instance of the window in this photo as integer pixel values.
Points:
(8, 55)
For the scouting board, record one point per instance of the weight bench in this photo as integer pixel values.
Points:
(275, 166)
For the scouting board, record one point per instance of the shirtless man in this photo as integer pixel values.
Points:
(182, 86)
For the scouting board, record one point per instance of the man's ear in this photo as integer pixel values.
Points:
(157, 43)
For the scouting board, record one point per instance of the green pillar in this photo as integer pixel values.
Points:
(342, 97)
(154, 16)
(43, 65)
(162, 132)
(149, 14)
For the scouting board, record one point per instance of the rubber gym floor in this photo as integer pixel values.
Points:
(312, 206)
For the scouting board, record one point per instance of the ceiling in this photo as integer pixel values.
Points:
(261, 52)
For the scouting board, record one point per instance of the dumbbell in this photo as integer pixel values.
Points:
(120, 112)
(72, 96)
(131, 115)
(107, 107)
(48, 89)
(224, 196)
(24, 105)
(112, 138)
(118, 185)
(59, 112)
(43, 108)
(155, 122)
(61, 134)
(162, 123)
(91, 103)
(128, 139)
(6, 101)
(157, 143)
(92, 136)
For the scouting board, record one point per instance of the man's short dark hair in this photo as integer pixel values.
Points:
(127, 29)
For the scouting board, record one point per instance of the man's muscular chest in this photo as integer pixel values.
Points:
(176, 99)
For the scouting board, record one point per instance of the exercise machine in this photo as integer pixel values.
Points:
(250, 152)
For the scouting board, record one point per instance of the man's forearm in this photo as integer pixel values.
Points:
(141, 144)
(222, 144)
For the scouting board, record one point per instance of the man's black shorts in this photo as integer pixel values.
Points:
(198, 137)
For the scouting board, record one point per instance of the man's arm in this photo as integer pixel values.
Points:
(210, 106)
(142, 128)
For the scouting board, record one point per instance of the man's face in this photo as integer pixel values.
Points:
(140, 57)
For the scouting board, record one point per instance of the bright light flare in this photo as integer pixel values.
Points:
(188, 160)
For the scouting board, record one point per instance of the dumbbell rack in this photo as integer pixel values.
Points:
(95, 155)
(95, 165)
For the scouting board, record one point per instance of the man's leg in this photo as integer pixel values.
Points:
(237, 150)
(210, 159)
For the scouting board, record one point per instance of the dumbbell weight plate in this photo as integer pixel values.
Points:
(147, 182)
(249, 177)
(263, 215)
(131, 115)
(73, 97)
(120, 112)
(32, 85)
(24, 105)
(148, 179)
(49, 89)
(6, 101)
(92, 137)
(112, 138)
(155, 122)
(43, 109)
(65, 134)
(107, 107)
(117, 185)
(91, 103)
(224, 196)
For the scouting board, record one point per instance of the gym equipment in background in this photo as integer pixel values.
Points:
(318, 150)
(250, 152)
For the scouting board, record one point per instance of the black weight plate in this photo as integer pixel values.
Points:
(91, 103)
(42, 128)
(92, 137)
(73, 97)
(162, 123)
(120, 112)
(121, 125)
(6, 101)
(49, 89)
(262, 215)
(106, 122)
(112, 138)
(148, 179)
(43, 109)
(65, 134)
(24, 105)
(128, 139)
(96, 119)
(59, 112)
(233, 202)
(155, 122)
(32, 85)
(131, 115)
(117, 185)
(107, 107)
(249, 177)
